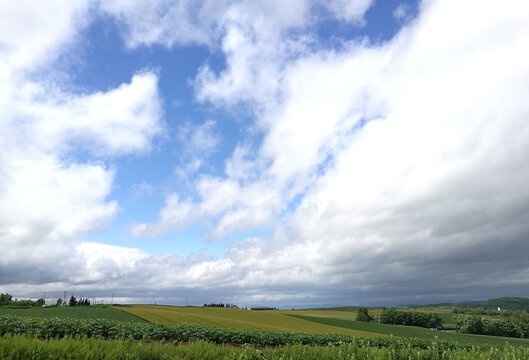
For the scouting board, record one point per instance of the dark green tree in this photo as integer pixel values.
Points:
(73, 301)
(5, 299)
(363, 315)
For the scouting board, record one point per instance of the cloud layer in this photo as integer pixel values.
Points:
(388, 173)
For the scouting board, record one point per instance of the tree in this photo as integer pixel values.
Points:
(40, 302)
(363, 315)
(59, 302)
(5, 299)
(73, 301)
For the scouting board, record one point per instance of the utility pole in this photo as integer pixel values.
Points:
(64, 300)
(187, 300)
(112, 299)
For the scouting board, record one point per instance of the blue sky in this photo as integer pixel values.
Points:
(141, 182)
(308, 152)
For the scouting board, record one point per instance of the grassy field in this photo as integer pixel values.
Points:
(76, 312)
(240, 319)
(413, 331)
(22, 347)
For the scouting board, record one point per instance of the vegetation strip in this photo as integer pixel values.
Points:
(106, 329)
(24, 347)
(77, 312)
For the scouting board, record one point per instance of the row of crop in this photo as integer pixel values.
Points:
(25, 347)
(107, 329)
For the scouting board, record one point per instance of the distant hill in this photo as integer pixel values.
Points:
(505, 303)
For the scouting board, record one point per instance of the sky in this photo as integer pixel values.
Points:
(264, 152)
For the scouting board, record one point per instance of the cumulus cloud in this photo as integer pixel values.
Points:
(388, 174)
(408, 157)
(50, 198)
(46, 33)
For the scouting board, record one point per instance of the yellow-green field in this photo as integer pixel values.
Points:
(330, 313)
(277, 320)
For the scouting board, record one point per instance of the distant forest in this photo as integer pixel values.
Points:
(505, 303)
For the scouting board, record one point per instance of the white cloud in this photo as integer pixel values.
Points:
(196, 144)
(409, 155)
(165, 22)
(200, 22)
(32, 32)
(141, 189)
(409, 158)
(49, 198)
(401, 12)
(57, 121)
(256, 37)
(349, 10)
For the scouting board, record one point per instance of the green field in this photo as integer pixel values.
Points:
(75, 312)
(23, 347)
(413, 331)
(239, 319)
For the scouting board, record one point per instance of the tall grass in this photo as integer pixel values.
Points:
(24, 347)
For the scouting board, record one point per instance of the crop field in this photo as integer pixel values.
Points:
(345, 312)
(237, 319)
(23, 347)
(416, 332)
(75, 312)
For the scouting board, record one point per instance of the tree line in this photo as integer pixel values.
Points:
(410, 318)
(7, 299)
(221, 305)
(513, 327)
(399, 317)
(74, 302)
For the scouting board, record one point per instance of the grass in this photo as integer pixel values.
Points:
(75, 312)
(238, 319)
(23, 347)
(413, 331)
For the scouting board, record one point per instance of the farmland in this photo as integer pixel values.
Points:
(169, 332)
(74, 312)
(22, 338)
(415, 332)
(239, 319)
(307, 321)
